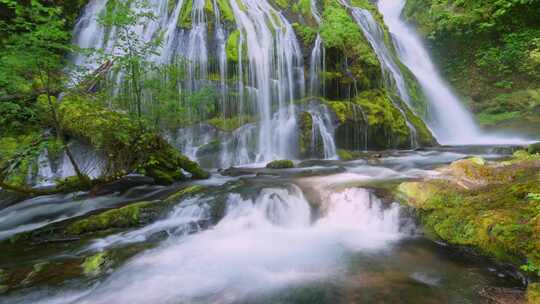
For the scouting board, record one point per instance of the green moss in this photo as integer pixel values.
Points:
(95, 264)
(171, 4)
(534, 148)
(373, 113)
(226, 10)
(232, 46)
(533, 293)
(306, 33)
(488, 50)
(126, 145)
(282, 3)
(129, 216)
(280, 164)
(18, 153)
(341, 35)
(184, 20)
(117, 218)
(348, 155)
(495, 216)
(302, 7)
(230, 124)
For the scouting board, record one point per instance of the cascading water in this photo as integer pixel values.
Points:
(316, 86)
(269, 71)
(261, 245)
(274, 72)
(392, 74)
(322, 131)
(451, 123)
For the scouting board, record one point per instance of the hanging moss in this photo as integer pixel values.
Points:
(184, 20)
(232, 46)
(348, 49)
(226, 11)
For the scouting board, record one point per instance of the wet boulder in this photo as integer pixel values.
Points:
(280, 164)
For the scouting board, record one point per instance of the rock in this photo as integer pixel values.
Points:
(534, 148)
(499, 295)
(132, 215)
(280, 164)
(484, 207)
(124, 183)
(96, 264)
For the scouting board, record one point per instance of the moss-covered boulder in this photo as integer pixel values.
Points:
(133, 215)
(499, 216)
(127, 145)
(280, 164)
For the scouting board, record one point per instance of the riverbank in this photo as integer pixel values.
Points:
(491, 207)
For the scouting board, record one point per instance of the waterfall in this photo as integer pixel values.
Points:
(391, 72)
(316, 67)
(451, 123)
(322, 130)
(274, 69)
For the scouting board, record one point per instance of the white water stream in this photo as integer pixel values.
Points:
(261, 245)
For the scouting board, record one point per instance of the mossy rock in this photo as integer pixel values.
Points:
(372, 121)
(165, 165)
(127, 146)
(133, 215)
(348, 155)
(280, 164)
(96, 264)
(499, 217)
(124, 217)
(534, 148)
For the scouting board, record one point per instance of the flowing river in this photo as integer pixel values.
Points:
(325, 232)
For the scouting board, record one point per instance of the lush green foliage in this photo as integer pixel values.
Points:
(489, 50)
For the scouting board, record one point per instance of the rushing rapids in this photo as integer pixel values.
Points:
(307, 233)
